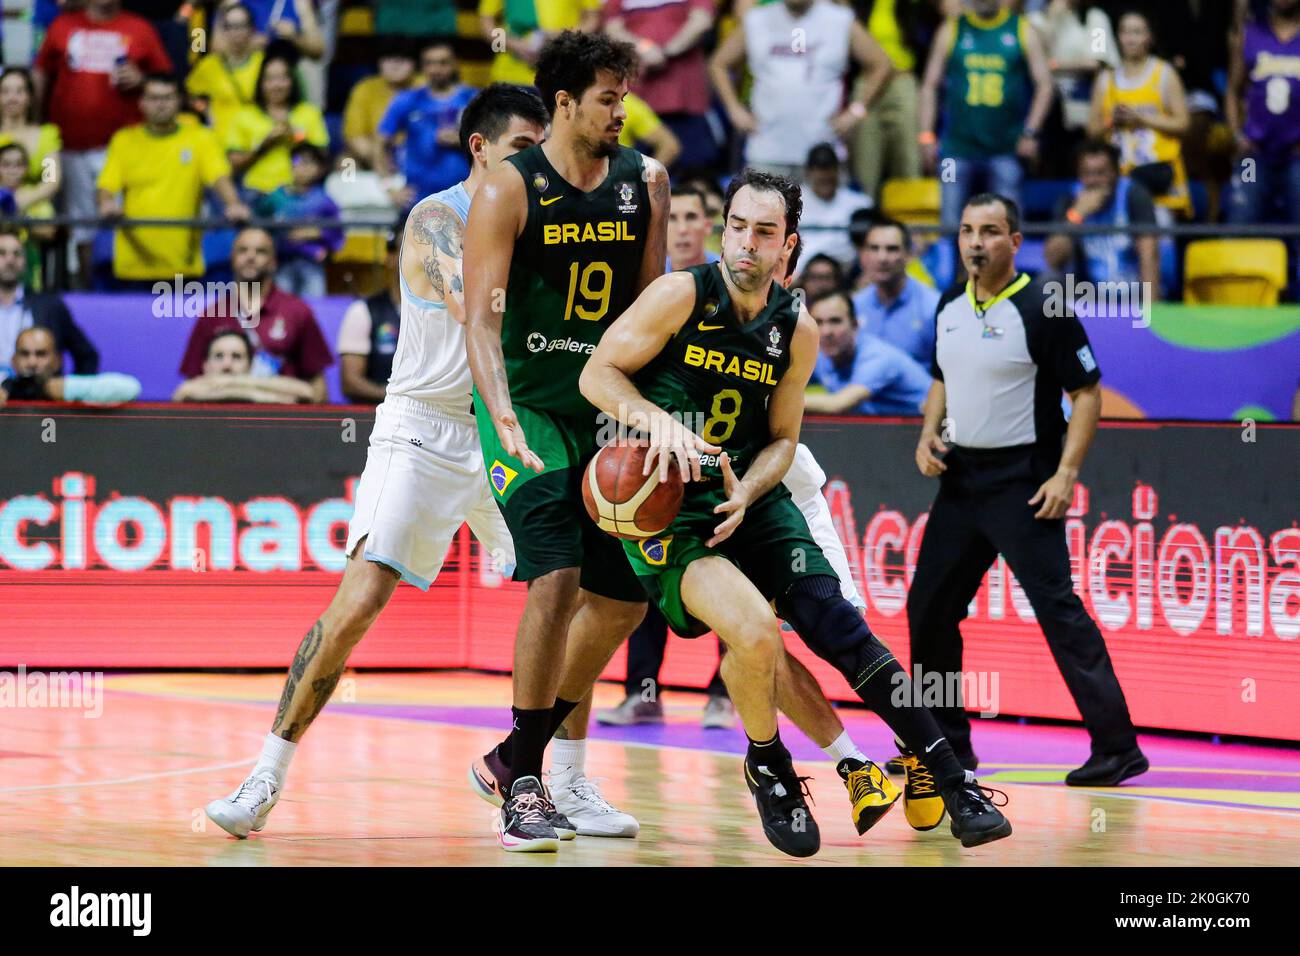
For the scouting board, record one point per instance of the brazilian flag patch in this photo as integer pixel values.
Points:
(655, 550)
(501, 475)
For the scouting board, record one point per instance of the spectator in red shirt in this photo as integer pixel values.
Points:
(285, 337)
(90, 69)
(674, 78)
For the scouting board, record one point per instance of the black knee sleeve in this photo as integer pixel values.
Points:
(833, 628)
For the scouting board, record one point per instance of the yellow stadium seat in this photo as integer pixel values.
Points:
(1234, 272)
(357, 22)
(913, 201)
(365, 247)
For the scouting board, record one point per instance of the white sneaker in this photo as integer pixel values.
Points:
(719, 714)
(581, 801)
(247, 808)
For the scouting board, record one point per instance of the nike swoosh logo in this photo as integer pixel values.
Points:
(933, 745)
(547, 202)
(708, 328)
(950, 328)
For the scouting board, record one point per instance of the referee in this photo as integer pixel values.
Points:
(1005, 482)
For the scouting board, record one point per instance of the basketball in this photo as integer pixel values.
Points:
(624, 502)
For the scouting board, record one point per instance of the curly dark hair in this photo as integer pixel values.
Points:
(767, 182)
(571, 60)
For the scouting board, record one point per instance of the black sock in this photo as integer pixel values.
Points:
(529, 738)
(767, 753)
(559, 713)
(914, 726)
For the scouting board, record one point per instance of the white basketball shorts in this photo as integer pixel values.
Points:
(424, 477)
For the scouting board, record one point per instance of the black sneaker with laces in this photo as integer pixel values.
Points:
(779, 793)
(491, 779)
(523, 825)
(976, 819)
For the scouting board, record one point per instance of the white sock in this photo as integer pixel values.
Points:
(843, 746)
(569, 758)
(276, 754)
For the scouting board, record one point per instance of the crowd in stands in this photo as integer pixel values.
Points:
(310, 114)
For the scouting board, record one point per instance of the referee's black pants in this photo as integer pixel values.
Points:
(982, 511)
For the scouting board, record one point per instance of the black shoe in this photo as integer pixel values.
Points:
(975, 818)
(492, 780)
(1108, 770)
(787, 821)
(522, 826)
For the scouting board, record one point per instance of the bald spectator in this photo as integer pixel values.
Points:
(36, 377)
(227, 377)
(283, 331)
(21, 309)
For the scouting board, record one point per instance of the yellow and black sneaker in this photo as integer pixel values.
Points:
(922, 802)
(871, 792)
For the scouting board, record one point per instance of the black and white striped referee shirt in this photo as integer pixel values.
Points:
(1004, 364)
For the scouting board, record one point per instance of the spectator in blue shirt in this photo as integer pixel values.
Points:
(303, 250)
(893, 305)
(431, 158)
(862, 374)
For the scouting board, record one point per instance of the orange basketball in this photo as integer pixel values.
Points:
(622, 501)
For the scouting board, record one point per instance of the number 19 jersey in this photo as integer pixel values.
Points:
(574, 271)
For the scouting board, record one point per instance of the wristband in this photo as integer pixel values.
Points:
(858, 108)
(1073, 215)
(926, 139)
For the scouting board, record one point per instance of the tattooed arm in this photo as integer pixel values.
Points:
(656, 247)
(431, 257)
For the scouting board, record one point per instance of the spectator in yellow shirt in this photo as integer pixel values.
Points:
(225, 80)
(260, 135)
(41, 141)
(159, 169)
(522, 26)
(645, 131)
(370, 98)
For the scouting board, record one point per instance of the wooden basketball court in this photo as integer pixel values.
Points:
(381, 780)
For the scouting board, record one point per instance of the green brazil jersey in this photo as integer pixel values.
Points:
(987, 91)
(574, 271)
(718, 375)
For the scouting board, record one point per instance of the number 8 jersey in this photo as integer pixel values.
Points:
(717, 375)
(574, 271)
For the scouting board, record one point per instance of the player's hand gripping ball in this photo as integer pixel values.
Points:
(622, 501)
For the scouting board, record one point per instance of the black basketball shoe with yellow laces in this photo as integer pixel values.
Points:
(779, 793)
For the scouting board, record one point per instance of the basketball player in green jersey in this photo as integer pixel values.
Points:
(560, 241)
(722, 348)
